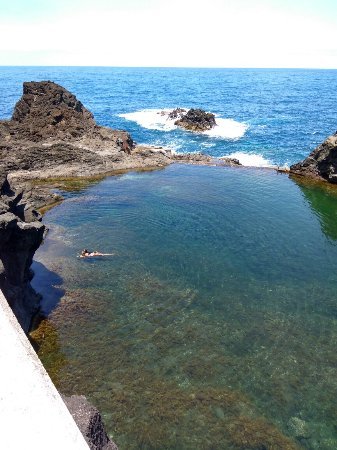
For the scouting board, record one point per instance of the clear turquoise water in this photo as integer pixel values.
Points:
(214, 325)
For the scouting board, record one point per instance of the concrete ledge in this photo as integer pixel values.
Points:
(32, 413)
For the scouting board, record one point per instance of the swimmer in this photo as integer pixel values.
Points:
(86, 253)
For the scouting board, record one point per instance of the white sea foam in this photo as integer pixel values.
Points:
(157, 119)
(208, 144)
(251, 159)
(227, 129)
(152, 119)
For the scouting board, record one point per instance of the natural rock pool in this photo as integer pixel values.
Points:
(214, 325)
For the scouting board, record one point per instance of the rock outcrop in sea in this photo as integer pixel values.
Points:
(321, 163)
(194, 119)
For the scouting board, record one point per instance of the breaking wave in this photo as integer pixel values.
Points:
(157, 119)
(251, 159)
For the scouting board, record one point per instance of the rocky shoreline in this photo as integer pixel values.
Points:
(321, 164)
(51, 134)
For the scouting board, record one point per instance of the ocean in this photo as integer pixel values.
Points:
(214, 323)
(265, 117)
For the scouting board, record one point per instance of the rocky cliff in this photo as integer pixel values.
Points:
(321, 163)
(52, 134)
(48, 110)
(21, 233)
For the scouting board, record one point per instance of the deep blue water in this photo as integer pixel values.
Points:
(286, 112)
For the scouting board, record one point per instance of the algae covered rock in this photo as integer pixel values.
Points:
(298, 428)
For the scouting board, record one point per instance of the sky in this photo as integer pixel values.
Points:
(169, 33)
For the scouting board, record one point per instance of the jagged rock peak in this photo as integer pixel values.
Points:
(46, 107)
(321, 163)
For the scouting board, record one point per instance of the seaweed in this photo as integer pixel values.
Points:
(45, 339)
(258, 434)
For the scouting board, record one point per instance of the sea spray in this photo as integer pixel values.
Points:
(158, 119)
(251, 159)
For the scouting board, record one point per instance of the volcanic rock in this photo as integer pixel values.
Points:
(21, 233)
(52, 134)
(89, 421)
(196, 120)
(47, 109)
(177, 113)
(321, 163)
(232, 162)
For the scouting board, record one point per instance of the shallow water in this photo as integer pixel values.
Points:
(214, 325)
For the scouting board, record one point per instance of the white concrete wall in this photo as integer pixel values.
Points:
(32, 413)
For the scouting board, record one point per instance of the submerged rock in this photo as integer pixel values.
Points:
(194, 119)
(298, 428)
(89, 421)
(321, 163)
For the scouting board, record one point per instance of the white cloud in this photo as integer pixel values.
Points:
(177, 33)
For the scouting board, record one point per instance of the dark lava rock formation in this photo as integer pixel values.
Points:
(21, 233)
(52, 134)
(177, 113)
(89, 421)
(194, 119)
(48, 110)
(321, 163)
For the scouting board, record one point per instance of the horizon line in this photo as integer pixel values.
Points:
(166, 67)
